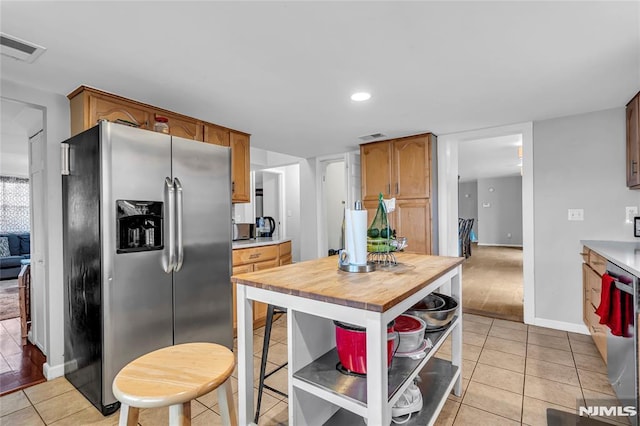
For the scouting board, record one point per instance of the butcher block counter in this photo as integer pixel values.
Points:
(316, 293)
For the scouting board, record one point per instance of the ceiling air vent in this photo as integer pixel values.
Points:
(19, 49)
(367, 138)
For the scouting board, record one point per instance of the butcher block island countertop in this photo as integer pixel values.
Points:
(377, 291)
(316, 293)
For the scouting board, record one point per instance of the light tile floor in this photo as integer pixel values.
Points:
(511, 374)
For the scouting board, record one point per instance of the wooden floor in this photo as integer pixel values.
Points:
(492, 282)
(20, 366)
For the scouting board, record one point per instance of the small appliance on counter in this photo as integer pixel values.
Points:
(243, 231)
(265, 226)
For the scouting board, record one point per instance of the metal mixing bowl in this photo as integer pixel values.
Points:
(435, 318)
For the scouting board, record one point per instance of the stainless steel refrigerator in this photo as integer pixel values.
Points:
(147, 250)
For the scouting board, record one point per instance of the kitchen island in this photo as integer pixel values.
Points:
(316, 293)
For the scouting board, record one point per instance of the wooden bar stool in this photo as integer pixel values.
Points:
(173, 376)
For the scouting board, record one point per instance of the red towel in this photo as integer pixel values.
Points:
(604, 310)
(616, 308)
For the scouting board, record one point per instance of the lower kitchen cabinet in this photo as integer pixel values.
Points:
(591, 287)
(258, 259)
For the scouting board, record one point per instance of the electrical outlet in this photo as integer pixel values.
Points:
(630, 213)
(576, 214)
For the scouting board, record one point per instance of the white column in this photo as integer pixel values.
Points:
(245, 356)
(378, 412)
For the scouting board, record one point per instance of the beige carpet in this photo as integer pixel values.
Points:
(9, 304)
(492, 283)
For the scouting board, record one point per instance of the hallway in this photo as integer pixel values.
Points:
(492, 282)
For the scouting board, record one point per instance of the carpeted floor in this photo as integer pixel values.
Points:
(492, 283)
(9, 305)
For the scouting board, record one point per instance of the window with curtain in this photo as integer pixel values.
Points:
(14, 204)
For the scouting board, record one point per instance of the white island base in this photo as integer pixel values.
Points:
(318, 393)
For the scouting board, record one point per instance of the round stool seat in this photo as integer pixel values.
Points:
(173, 375)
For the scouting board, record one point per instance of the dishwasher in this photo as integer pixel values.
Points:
(622, 352)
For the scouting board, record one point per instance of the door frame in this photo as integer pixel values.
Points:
(39, 296)
(448, 200)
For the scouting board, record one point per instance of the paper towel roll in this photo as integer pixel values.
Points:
(359, 236)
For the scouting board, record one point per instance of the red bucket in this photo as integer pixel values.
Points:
(351, 343)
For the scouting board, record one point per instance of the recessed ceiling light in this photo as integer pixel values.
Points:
(360, 96)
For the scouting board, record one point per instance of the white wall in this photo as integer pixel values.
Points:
(501, 222)
(579, 162)
(468, 202)
(14, 153)
(56, 130)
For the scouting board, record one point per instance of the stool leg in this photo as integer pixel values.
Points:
(128, 415)
(227, 406)
(180, 414)
(265, 353)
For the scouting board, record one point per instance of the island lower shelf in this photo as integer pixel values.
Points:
(322, 377)
(436, 380)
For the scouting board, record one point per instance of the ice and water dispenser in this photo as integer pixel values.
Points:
(139, 226)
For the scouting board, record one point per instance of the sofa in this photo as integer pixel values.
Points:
(20, 249)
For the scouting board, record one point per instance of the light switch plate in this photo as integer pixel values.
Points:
(576, 214)
(630, 213)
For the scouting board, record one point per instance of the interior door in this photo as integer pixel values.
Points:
(202, 294)
(38, 213)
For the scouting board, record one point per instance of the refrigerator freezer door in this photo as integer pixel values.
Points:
(137, 290)
(202, 287)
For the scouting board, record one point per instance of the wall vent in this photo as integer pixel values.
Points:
(367, 138)
(21, 50)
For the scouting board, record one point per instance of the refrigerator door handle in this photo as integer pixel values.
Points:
(168, 253)
(180, 254)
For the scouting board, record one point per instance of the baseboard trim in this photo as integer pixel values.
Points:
(52, 371)
(561, 325)
(500, 245)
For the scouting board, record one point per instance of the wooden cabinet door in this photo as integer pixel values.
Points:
(413, 220)
(375, 161)
(183, 127)
(285, 260)
(239, 168)
(238, 270)
(411, 165)
(103, 108)
(633, 142)
(216, 135)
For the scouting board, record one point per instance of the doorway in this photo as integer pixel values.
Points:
(449, 147)
(490, 231)
(269, 196)
(338, 187)
(22, 198)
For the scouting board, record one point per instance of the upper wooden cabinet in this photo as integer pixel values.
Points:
(633, 143)
(182, 127)
(216, 135)
(89, 105)
(401, 168)
(397, 168)
(241, 185)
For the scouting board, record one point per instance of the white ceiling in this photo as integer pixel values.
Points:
(489, 158)
(284, 71)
